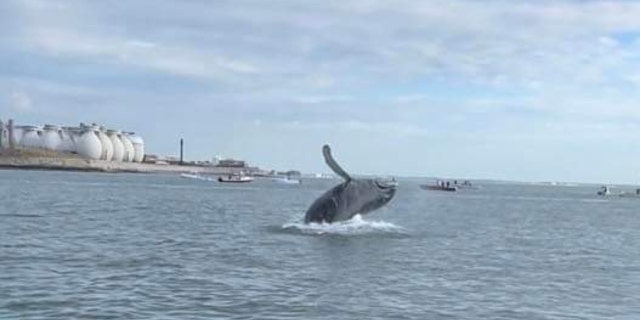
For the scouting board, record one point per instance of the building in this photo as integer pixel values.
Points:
(232, 163)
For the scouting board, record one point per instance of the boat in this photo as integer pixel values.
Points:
(285, 180)
(438, 188)
(635, 194)
(464, 185)
(235, 179)
(604, 191)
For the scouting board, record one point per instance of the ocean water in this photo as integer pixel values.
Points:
(131, 246)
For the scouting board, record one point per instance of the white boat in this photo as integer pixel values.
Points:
(440, 185)
(438, 188)
(235, 179)
(285, 180)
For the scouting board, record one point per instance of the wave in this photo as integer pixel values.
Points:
(355, 226)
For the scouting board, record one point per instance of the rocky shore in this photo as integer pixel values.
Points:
(54, 161)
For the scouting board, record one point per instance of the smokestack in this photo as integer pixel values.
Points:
(2, 128)
(181, 151)
(11, 133)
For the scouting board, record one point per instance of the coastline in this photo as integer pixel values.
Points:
(80, 164)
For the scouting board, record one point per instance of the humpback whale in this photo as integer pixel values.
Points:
(353, 196)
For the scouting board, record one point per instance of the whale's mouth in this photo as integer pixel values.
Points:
(386, 184)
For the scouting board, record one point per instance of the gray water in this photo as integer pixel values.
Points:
(126, 246)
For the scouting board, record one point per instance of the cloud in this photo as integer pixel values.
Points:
(410, 98)
(395, 129)
(322, 99)
(21, 102)
(177, 61)
(562, 43)
(481, 73)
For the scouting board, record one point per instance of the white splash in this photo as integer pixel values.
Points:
(354, 226)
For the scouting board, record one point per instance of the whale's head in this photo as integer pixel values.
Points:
(373, 194)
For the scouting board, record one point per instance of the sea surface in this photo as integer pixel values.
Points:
(132, 246)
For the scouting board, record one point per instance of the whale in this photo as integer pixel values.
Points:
(349, 198)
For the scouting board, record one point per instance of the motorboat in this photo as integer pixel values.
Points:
(438, 188)
(234, 178)
(464, 185)
(630, 194)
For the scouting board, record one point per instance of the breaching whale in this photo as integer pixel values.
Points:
(353, 196)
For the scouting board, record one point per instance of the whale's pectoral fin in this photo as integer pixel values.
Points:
(326, 151)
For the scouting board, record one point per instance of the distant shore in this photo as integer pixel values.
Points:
(74, 163)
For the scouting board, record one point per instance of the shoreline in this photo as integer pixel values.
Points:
(86, 165)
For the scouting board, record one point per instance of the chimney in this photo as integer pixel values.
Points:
(181, 151)
(2, 128)
(11, 133)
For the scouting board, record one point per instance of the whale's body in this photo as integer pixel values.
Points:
(353, 196)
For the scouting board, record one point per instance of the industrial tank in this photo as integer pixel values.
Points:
(66, 139)
(51, 137)
(30, 137)
(88, 144)
(138, 147)
(107, 145)
(17, 135)
(4, 135)
(129, 152)
(118, 148)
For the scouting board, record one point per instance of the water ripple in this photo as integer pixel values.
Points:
(85, 246)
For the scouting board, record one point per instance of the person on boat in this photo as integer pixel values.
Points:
(604, 190)
(448, 184)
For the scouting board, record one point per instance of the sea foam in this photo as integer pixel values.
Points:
(355, 226)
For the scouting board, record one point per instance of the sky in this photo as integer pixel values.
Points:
(516, 90)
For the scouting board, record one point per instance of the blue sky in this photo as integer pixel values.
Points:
(526, 90)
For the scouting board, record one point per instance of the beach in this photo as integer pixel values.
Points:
(43, 160)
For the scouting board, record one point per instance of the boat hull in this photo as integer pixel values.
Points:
(438, 188)
(235, 179)
(629, 195)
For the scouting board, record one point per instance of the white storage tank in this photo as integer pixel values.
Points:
(17, 135)
(129, 152)
(4, 135)
(88, 144)
(118, 148)
(138, 147)
(30, 137)
(51, 137)
(107, 145)
(67, 144)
